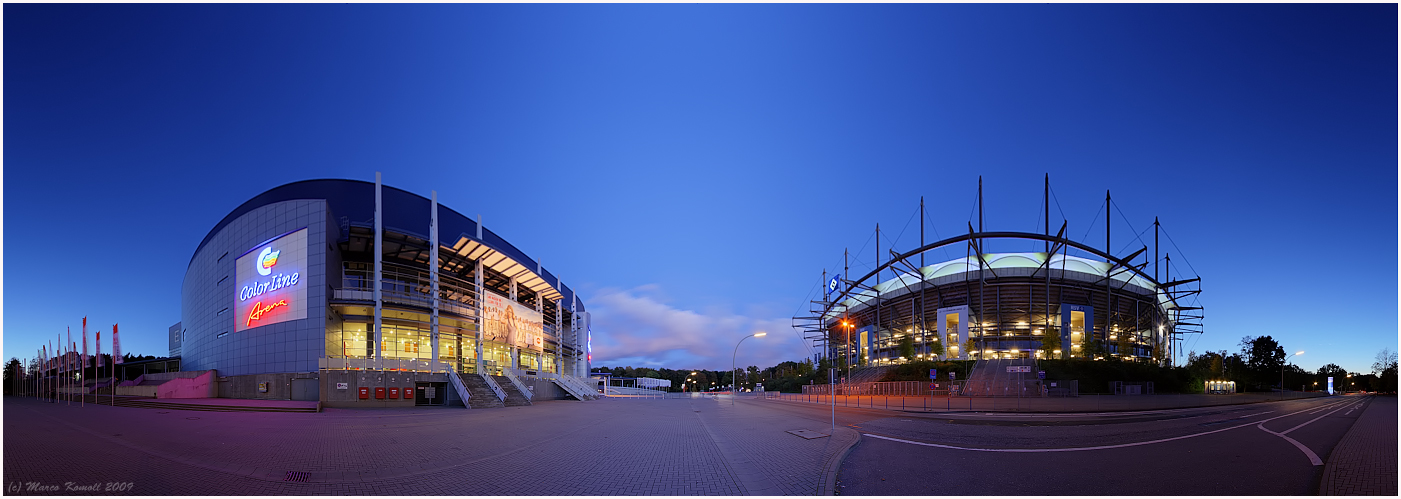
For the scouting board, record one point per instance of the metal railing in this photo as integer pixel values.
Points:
(460, 387)
(500, 394)
(510, 375)
(585, 392)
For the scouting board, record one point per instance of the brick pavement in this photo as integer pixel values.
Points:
(606, 447)
(1364, 462)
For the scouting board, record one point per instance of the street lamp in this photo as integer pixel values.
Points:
(1281, 373)
(848, 347)
(733, 381)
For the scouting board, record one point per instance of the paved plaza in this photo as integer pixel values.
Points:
(681, 445)
(674, 446)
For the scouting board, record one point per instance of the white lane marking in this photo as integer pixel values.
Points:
(1073, 449)
(1313, 458)
(1099, 447)
(1310, 421)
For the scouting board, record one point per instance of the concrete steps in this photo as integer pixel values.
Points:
(482, 395)
(514, 397)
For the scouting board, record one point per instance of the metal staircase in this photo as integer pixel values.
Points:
(575, 388)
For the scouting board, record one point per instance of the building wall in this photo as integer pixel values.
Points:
(210, 287)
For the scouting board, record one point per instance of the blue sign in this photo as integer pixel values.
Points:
(834, 284)
(1040, 374)
(951, 376)
(933, 374)
(1330, 385)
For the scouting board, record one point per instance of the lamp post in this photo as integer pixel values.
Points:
(734, 382)
(1281, 373)
(848, 347)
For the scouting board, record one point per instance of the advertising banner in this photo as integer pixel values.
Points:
(271, 286)
(512, 323)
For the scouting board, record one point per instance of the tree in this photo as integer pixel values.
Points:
(1385, 369)
(1125, 344)
(907, 347)
(969, 348)
(1262, 354)
(11, 369)
(1051, 342)
(936, 348)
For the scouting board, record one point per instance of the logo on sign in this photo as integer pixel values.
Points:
(263, 264)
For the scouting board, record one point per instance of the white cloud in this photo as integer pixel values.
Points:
(637, 327)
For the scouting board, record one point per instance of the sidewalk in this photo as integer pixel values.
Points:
(1364, 462)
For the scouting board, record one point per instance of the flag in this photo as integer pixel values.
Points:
(116, 346)
(70, 349)
(83, 366)
(99, 348)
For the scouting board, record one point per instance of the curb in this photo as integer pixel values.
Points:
(829, 478)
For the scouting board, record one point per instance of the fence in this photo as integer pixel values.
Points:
(884, 388)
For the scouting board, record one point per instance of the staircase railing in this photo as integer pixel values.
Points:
(501, 394)
(578, 388)
(459, 387)
(517, 382)
(573, 388)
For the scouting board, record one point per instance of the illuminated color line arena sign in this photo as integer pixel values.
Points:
(271, 282)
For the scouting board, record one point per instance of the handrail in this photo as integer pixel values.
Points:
(517, 382)
(572, 388)
(575, 385)
(501, 394)
(461, 388)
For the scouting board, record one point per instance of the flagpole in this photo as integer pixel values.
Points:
(116, 359)
(83, 371)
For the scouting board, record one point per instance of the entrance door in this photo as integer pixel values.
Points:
(430, 394)
(306, 389)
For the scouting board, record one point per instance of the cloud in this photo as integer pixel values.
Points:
(637, 327)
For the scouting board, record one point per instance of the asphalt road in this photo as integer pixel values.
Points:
(1275, 448)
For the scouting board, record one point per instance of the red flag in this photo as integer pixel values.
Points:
(116, 346)
(84, 359)
(99, 348)
(66, 362)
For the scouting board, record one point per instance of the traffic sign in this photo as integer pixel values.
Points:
(951, 377)
(933, 373)
(1040, 374)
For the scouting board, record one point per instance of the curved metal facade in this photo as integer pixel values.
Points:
(220, 327)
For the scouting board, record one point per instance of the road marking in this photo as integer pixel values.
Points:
(1313, 458)
(1310, 421)
(1098, 447)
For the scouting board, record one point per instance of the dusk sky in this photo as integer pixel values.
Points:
(690, 170)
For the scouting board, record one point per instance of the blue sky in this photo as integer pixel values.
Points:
(691, 169)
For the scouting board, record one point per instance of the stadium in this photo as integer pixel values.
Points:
(1068, 300)
(358, 294)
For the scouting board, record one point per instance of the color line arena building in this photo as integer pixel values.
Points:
(347, 292)
(1048, 304)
